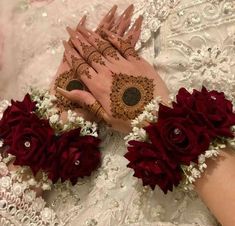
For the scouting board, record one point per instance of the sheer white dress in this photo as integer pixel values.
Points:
(190, 42)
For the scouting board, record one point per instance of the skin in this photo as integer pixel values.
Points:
(216, 187)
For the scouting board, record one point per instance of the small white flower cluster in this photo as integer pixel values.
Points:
(46, 109)
(45, 103)
(147, 116)
(75, 121)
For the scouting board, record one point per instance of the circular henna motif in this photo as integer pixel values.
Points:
(131, 96)
(75, 85)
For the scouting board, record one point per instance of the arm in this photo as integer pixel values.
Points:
(216, 187)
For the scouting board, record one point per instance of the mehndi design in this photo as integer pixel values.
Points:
(68, 81)
(91, 54)
(127, 49)
(97, 109)
(129, 95)
(80, 67)
(106, 49)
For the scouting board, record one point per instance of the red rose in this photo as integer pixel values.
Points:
(178, 139)
(77, 156)
(30, 141)
(210, 109)
(14, 114)
(148, 165)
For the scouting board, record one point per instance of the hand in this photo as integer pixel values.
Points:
(65, 74)
(121, 83)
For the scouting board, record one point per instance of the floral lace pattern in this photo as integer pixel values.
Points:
(19, 204)
(154, 12)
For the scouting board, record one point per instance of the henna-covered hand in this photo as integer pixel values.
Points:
(122, 86)
(70, 69)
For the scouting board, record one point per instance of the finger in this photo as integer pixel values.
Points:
(69, 52)
(81, 23)
(123, 46)
(88, 52)
(77, 96)
(75, 61)
(86, 100)
(103, 46)
(85, 73)
(107, 18)
(134, 33)
(123, 21)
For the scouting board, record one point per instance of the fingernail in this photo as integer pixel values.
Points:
(128, 11)
(71, 32)
(112, 11)
(82, 21)
(137, 23)
(63, 92)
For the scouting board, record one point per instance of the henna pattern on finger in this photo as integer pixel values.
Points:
(106, 49)
(129, 95)
(102, 33)
(80, 67)
(91, 54)
(68, 81)
(96, 109)
(127, 49)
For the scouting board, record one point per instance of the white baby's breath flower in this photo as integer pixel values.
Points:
(221, 146)
(191, 179)
(195, 173)
(210, 153)
(32, 182)
(202, 167)
(46, 187)
(201, 159)
(54, 118)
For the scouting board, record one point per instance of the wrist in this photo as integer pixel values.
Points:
(215, 187)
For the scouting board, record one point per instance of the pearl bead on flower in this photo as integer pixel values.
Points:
(177, 131)
(27, 144)
(77, 162)
(213, 97)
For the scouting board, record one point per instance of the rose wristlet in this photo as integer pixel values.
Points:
(32, 134)
(168, 146)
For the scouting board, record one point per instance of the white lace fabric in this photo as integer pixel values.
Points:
(191, 44)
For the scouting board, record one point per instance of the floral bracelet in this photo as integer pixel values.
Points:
(168, 146)
(32, 134)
